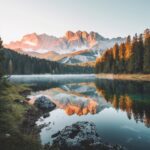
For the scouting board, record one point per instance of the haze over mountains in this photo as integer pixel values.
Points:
(75, 47)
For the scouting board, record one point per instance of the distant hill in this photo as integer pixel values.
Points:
(16, 63)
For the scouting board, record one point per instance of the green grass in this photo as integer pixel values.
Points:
(11, 117)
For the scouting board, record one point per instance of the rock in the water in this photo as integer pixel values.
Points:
(45, 115)
(44, 103)
(81, 136)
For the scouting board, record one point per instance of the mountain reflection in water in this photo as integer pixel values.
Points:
(79, 99)
(73, 98)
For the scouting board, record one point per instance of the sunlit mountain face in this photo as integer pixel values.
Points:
(75, 47)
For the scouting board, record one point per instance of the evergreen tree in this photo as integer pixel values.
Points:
(122, 50)
(139, 53)
(10, 67)
(146, 65)
(1, 43)
(1, 58)
(130, 57)
(23, 64)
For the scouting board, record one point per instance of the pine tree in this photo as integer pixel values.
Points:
(129, 57)
(1, 57)
(106, 62)
(146, 65)
(139, 53)
(1, 43)
(122, 50)
(10, 67)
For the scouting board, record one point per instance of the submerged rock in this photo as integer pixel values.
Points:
(45, 115)
(81, 136)
(44, 103)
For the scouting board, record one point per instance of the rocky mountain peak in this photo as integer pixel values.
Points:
(85, 35)
(30, 36)
(95, 36)
(72, 41)
(92, 36)
(79, 33)
(69, 35)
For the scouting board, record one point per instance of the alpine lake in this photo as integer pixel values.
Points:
(120, 109)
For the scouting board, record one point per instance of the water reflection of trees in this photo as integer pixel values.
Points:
(130, 96)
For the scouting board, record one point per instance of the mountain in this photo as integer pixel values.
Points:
(45, 46)
(80, 56)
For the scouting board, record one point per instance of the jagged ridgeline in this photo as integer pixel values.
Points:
(15, 63)
(133, 56)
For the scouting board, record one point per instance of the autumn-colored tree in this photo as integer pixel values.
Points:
(131, 65)
(128, 47)
(115, 53)
(133, 56)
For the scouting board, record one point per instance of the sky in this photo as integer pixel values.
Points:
(110, 18)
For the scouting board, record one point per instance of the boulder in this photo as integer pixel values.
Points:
(44, 103)
(81, 136)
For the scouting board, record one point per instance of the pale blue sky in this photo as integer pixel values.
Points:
(110, 18)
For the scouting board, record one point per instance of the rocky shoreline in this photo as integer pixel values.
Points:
(41, 107)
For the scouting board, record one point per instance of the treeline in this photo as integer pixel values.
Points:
(15, 63)
(132, 56)
(1, 58)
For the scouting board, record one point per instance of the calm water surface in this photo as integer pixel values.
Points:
(119, 109)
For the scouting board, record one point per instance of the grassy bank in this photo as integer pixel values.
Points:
(12, 115)
(136, 77)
